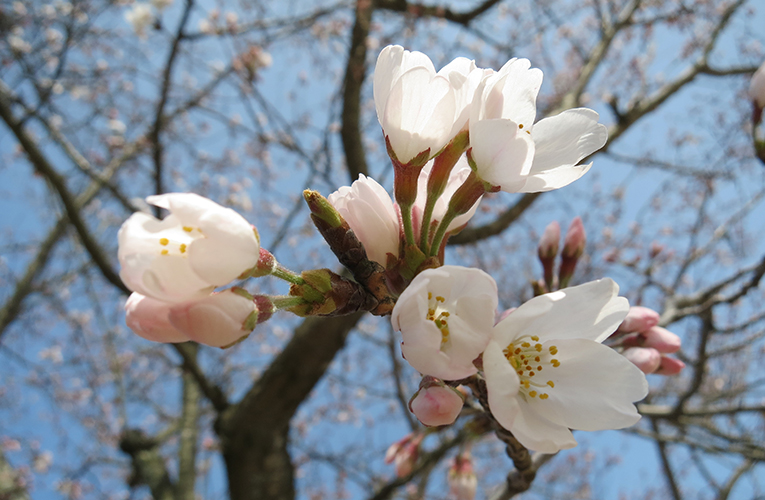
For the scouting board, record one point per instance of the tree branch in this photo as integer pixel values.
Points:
(355, 71)
(41, 164)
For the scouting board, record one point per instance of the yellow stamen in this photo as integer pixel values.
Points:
(543, 396)
(164, 251)
(163, 241)
(183, 247)
(551, 383)
(188, 229)
(533, 394)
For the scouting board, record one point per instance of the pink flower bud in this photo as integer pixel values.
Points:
(462, 480)
(404, 454)
(149, 319)
(550, 241)
(219, 320)
(639, 319)
(661, 339)
(436, 403)
(670, 366)
(576, 238)
(645, 358)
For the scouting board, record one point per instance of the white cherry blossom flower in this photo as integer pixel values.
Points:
(446, 316)
(513, 153)
(370, 212)
(547, 371)
(199, 246)
(415, 105)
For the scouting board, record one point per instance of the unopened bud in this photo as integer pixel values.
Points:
(550, 241)
(463, 482)
(655, 250)
(669, 366)
(322, 209)
(219, 320)
(435, 403)
(639, 319)
(662, 340)
(404, 453)
(573, 248)
(548, 250)
(576, 238)
(645, 358)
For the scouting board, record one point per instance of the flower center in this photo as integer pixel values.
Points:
(178, 243)
(529, 359)
(438, 315)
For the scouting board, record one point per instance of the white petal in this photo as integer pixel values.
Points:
(563, 140)
(502, 384)
(537, 433)
(503, 154)
(228, 249)
(555, 178)
(188, 207)
(217, 320)
(386, 72)
(419, 113)
(148, 318)
(512, 413)
(595, 387)
(369, 210)
(590, 311)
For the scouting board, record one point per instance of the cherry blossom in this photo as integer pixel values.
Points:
(435, 403)
(547, 372)
(149, 318)
(404, 453)
(415, 105)
(446, 316)
(218, 320)
(370, 212)
(512, 153)
(199, 246)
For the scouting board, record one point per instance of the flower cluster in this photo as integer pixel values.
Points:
(452, 136)
(173, 266)
(545, 368)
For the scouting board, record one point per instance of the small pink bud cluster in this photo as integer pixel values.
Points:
(547, 251)
(404, 453)
(435, 403)
(645, 343)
